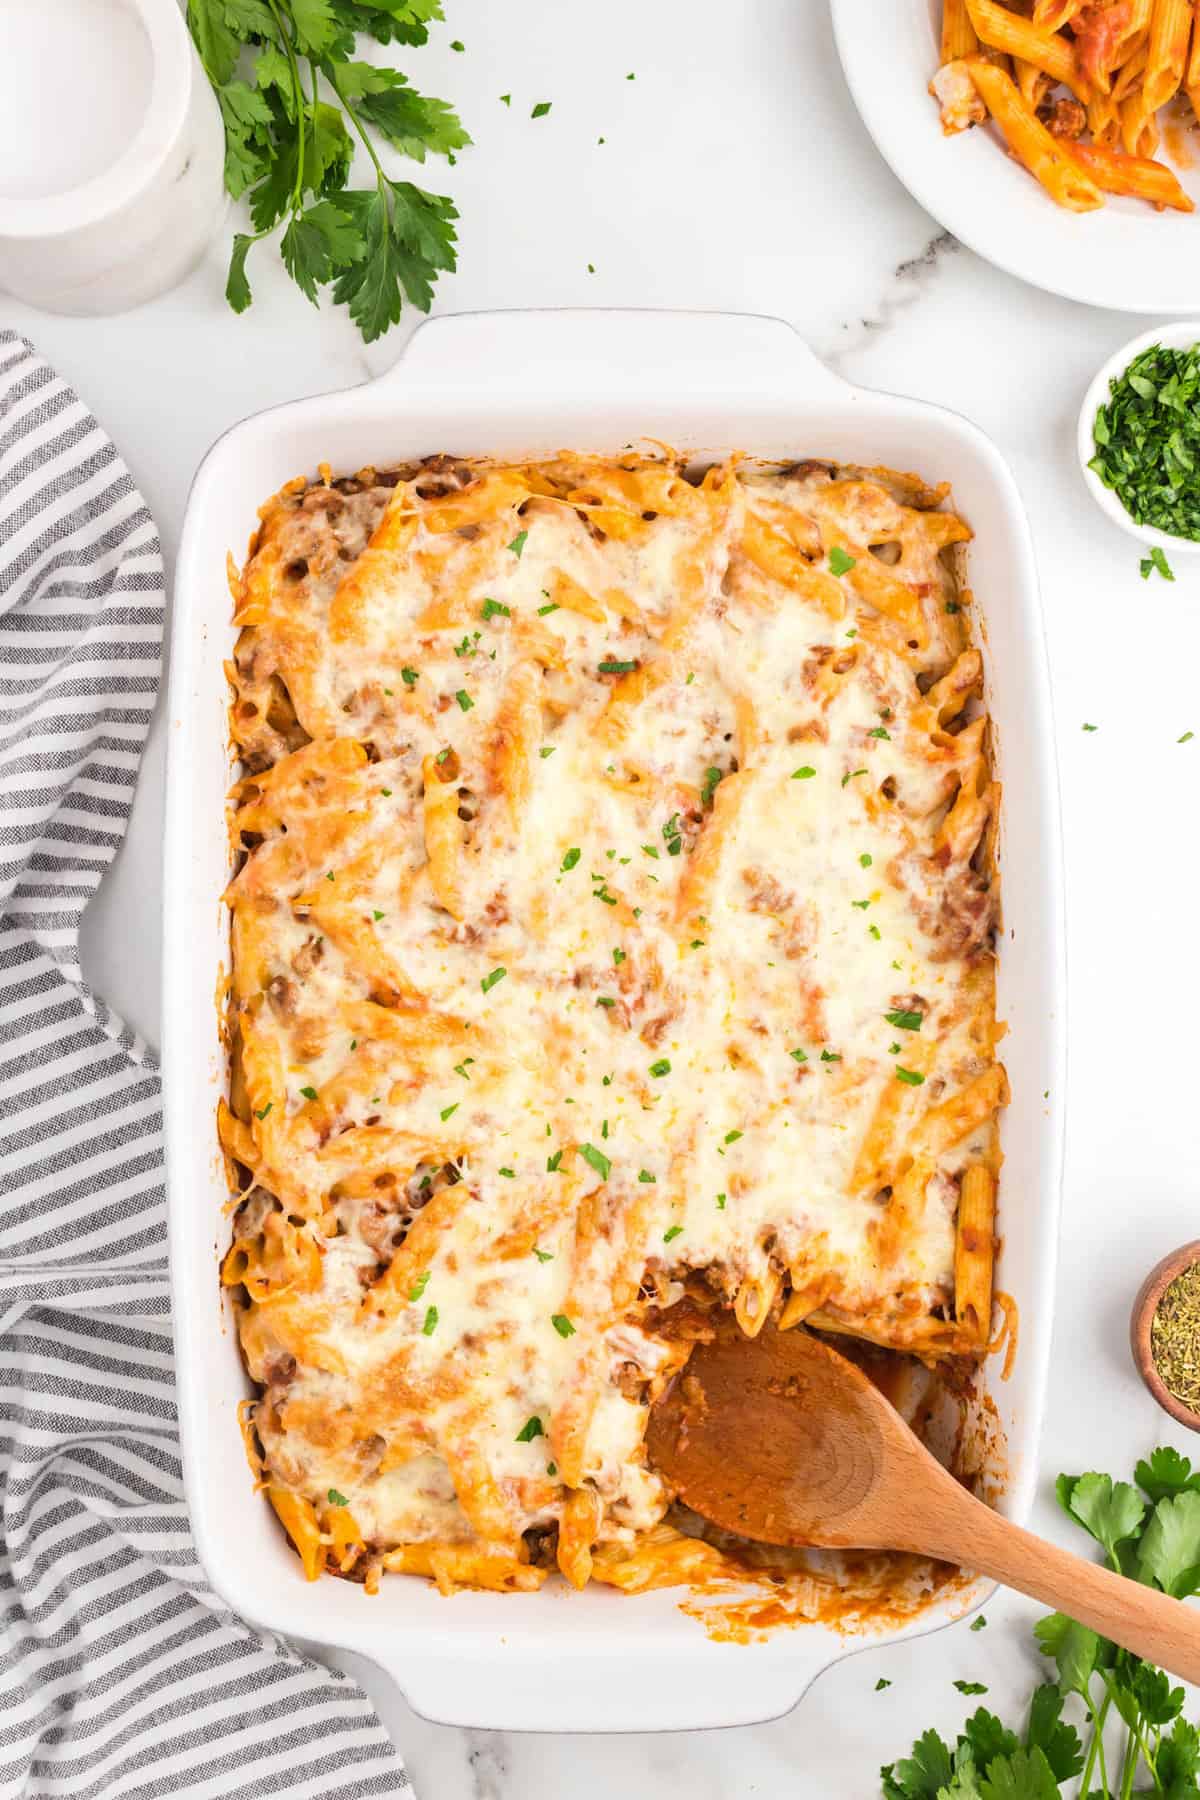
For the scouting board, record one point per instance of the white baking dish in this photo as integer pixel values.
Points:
(534, 383)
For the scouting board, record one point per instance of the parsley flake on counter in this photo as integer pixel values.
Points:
(506, 99)
(839, 562)
(1186, 736)
(905, 1021)
(336, 1499)
(597, 1160)
(613, 667)
(910, 1077)
(532, 1428)
(1156, 560)
(541, 109)
(979, 1623)
(570, 859)
(881, 1684)
(970, 1687)
(562, 1325)
(431, 1319)
(661, 1067)
(419, 1285)
(488, 982)
(805, 774)
(1091, 728)
(673, 1231)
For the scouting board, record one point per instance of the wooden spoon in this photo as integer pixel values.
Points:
(781, 1439)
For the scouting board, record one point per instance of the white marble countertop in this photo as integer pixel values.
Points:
(735, 174)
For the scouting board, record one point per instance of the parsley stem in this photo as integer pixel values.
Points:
(357, 123)
(297, 100)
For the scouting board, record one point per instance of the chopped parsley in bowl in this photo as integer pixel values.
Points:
(1146, 439)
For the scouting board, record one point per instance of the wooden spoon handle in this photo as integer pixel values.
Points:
(1150, 1623)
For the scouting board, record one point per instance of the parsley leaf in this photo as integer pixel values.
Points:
(562, 1325)
(336, 1499)
(1169, 1553)
(597, 1159)
(532, 1428)
(1166, 1472)
(904, 1020)
(1110, 1511)
(839, 562)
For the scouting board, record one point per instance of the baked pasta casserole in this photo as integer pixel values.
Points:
(612, 951)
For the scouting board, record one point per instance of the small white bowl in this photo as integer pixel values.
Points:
(1179, 336)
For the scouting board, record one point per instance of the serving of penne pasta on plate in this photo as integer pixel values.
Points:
(1077, 89)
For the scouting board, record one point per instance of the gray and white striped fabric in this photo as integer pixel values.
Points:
(121, 1674)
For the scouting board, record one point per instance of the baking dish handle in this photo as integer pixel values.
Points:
(640, 353)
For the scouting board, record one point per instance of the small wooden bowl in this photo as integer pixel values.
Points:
(1142, 1318)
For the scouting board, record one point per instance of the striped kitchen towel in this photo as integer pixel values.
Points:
(121, 1674)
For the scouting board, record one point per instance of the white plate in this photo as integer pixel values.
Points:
(1125, 256)
(526, 384)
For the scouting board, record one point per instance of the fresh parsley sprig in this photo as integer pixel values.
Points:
(293, 99)
(1150, 1532)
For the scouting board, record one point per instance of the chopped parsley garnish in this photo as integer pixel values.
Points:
(1156, 560)
(554, 1162)
(731, 1137)
(410, 677)
(442, 755)
(492, 609)
(952, 606)
(467, 647)
(532, 1428)
(541, 109)
(461, 1068)
(720, 1203)
(798, 1055)
(506, 99)
(386, 792)
(543, 610)
(839, 562)
(570, 859)
(862, 905)
(874, 930)
(336, 1499)
(419, 1285)
(310, 1093)
(597, 1160)
(893, 1049)
(978, 1623)
(518, 543)
(851, 774)
(911, 1077)
(1148, 441)
(605, 1000)
(1091, 728)
(546, 750)
(866, 859)
(376, 914)
(543, 1256)
(552, 1468)
(882, 1683)
(562, 1325)
(508, 1174)
(618, 956)
(1186, 736)
(645, 1175)
(448, 1110)
(464, 699)
(612, 667)
(606, 1081)
(457, 44)
(661, 1067)
(489, 981)
(970, 1687)
(650, 850)
(804, 774)
(712, 779)
(673, 833)
(431, 1319)
(905, 1021)
(831, 1056)
(266, 1109)
(877, 731)
(673, 1231)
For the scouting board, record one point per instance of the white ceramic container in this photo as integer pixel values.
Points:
(136, 225)
(1180, 335)
(532, 383)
